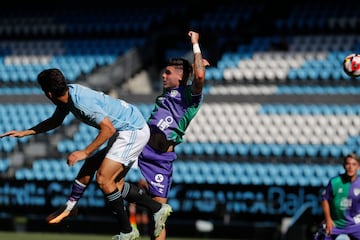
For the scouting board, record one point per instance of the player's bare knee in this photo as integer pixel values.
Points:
(100, 180)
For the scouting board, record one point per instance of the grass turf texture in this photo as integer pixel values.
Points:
(67, 236)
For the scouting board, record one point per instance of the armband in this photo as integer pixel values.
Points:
(196, 48)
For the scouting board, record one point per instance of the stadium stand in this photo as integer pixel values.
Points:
(279, 112)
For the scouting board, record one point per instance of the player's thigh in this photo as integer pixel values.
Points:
(108, 171)
(91, 164)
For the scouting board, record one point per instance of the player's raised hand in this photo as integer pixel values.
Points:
(194, 36)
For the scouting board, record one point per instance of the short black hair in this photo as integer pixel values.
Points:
(52, 80)
(182, 64)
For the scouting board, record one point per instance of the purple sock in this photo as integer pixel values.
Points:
(77, 191)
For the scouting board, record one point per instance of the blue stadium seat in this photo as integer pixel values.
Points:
(4, 165)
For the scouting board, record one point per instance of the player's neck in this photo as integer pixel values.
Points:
(64, 98)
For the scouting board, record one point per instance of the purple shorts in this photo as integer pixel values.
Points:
(352, 231)
(157, 169)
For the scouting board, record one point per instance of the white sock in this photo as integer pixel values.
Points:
(70, 205)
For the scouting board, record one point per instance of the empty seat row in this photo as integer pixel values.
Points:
(288, 151)
(234, 129)
(201, 172)
(212, 172)
(289, 69)
(228, 89)
(60, 22)
(303, 61)
(23, 116)
(282, 89)
(226, 128)
(23, 60)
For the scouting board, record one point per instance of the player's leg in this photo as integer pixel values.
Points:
(142, 215)
(125, 150)
(157, 170)
(160, 218)
(135, 194)
(79, 186)
(105, 177)
(160, 211)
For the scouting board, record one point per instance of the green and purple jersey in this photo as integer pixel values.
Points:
(344, 199)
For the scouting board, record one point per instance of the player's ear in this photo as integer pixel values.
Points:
(49, 94)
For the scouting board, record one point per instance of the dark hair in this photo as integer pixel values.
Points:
(182, 64)
(52, 80)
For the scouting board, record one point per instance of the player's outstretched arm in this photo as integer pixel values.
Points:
(51, 123)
